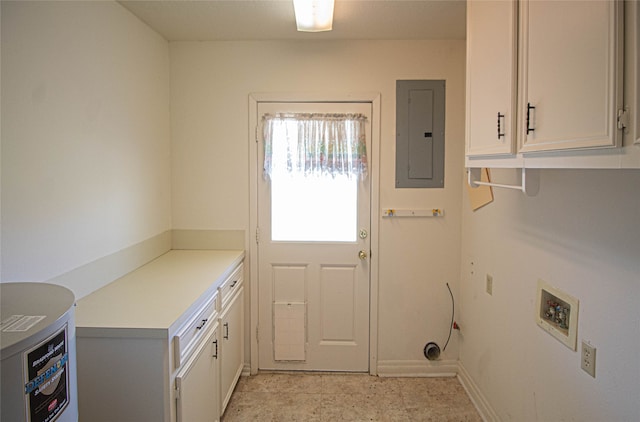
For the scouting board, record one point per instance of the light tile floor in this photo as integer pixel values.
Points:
(348, 397)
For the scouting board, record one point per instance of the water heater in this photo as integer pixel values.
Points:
(38, 353)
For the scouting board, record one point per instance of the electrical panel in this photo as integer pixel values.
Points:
(420, 106)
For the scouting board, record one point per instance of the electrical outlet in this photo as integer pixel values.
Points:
(489, 284)
(588, 362)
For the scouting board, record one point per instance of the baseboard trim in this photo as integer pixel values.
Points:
(246, 370)
(481, 403)
(440, 368)
(417, 368)
(90, 277)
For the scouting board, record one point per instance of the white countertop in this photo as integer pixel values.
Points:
(151, 300)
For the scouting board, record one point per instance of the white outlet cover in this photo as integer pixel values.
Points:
(588, 359)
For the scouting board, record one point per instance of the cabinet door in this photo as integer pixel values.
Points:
(198, 384)
(491, 77)
(232, 346)
(570, 80)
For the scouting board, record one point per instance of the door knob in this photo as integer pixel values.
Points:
(362, 255)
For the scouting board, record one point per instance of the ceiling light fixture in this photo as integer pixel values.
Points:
(313, 15)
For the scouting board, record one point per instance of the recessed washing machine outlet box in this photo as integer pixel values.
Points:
(557, 313)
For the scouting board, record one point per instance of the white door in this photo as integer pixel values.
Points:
(313, 263)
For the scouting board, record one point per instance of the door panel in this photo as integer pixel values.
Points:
(313, 286)
(198, 384)
(338, 287)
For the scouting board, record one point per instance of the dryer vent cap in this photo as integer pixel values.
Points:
(432, 351)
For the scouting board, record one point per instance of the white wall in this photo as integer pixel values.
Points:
(580, 234)
(85, 136)
(210, 86)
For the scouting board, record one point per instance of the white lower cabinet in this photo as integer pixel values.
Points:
(197, 386)
(232, 344)
(150, 345)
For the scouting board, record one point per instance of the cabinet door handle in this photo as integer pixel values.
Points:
(204, 321)
(234, 283)
(529, 108)
(216, 354)
(500, 116)
(226, 326)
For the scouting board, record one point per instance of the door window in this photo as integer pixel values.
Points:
(314, 161)
(313, 208)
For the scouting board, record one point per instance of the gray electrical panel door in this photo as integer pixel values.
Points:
(420, 133)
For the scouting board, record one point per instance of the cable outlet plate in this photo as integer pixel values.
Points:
(588, 359)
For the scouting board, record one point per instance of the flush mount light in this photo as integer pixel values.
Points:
(313, 15)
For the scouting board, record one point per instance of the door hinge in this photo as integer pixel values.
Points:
(257, 234)
(623, 118)
(177, 393)
(257, 334)
(257, 140)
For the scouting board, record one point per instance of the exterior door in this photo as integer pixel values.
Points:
(313, 262)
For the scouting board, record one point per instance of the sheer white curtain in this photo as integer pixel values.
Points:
(315, 144)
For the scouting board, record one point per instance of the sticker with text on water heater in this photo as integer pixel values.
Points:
(20, 323)
(46, 373)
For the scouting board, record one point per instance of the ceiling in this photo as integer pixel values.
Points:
(208, 20)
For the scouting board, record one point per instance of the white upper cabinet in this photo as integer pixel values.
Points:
(491, 77)
(570, 74)
(544, 76)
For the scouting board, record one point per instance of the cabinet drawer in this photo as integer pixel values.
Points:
(189, 335)
(231, 285)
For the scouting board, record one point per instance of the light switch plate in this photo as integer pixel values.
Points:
(489, 284)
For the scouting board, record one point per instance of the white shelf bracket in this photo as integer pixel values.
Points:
(529, 181)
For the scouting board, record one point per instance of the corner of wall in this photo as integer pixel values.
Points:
(208, 239)
(477, 398)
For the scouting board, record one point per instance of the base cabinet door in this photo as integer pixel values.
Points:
(232, 346)
(197, 384)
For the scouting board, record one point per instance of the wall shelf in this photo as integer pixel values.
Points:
(627, 157)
